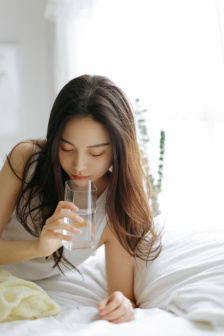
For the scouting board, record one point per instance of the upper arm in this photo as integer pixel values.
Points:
(119, 266)
(10, 184)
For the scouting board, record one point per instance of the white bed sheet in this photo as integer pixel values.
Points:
(79, 298)
(85, 322)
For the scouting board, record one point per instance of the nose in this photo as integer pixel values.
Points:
(79, 162)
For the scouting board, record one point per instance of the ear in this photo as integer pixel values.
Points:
(111, 169)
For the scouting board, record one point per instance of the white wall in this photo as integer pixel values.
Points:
(22, 22)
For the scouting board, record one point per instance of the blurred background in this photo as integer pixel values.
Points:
(167, 54)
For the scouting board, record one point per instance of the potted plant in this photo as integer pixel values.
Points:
(155, 183)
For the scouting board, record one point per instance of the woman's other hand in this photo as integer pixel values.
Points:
(52, 233)
(117, 308)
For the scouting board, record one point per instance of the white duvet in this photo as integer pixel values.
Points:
(187, 279)
(180, 293)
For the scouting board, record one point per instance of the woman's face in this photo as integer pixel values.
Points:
(85, 150)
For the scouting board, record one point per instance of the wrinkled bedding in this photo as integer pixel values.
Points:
(187, 279)
(180, 293)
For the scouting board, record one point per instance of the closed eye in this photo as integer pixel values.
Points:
(66, 150)
(96, 155)
(70, 150)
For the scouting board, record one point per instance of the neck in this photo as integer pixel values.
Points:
(103, 183)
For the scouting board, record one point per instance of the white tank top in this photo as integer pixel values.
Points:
(40, 268)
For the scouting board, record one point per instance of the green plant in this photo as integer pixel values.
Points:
(156, 183)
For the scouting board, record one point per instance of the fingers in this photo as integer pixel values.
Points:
(55, 226)
(117, 308)
(110, 303)
(66, 205)
(102, 305)
(59, 226)
(57, 235)
(61, 213)
(124, 318)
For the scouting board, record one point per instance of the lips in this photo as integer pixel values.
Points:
(80, 177)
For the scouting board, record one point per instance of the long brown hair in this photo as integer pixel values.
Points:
(127, 203)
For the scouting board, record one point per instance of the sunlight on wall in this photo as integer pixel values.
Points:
(192, 196)
(167, 53)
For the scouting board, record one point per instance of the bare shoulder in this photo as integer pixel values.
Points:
(19, 156)
(11, 176)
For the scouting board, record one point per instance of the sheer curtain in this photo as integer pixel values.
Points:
(64, 14)
(170, 55)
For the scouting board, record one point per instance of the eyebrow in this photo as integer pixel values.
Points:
(92, 146)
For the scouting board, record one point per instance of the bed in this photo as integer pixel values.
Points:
(180, 293)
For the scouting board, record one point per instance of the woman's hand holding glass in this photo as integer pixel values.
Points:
(51, 235)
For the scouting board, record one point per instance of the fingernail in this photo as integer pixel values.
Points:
(80, 219)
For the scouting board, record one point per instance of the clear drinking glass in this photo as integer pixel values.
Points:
(83, 194)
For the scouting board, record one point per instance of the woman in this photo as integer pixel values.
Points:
(91, 134)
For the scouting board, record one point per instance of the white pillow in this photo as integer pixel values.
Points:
(187, 278)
